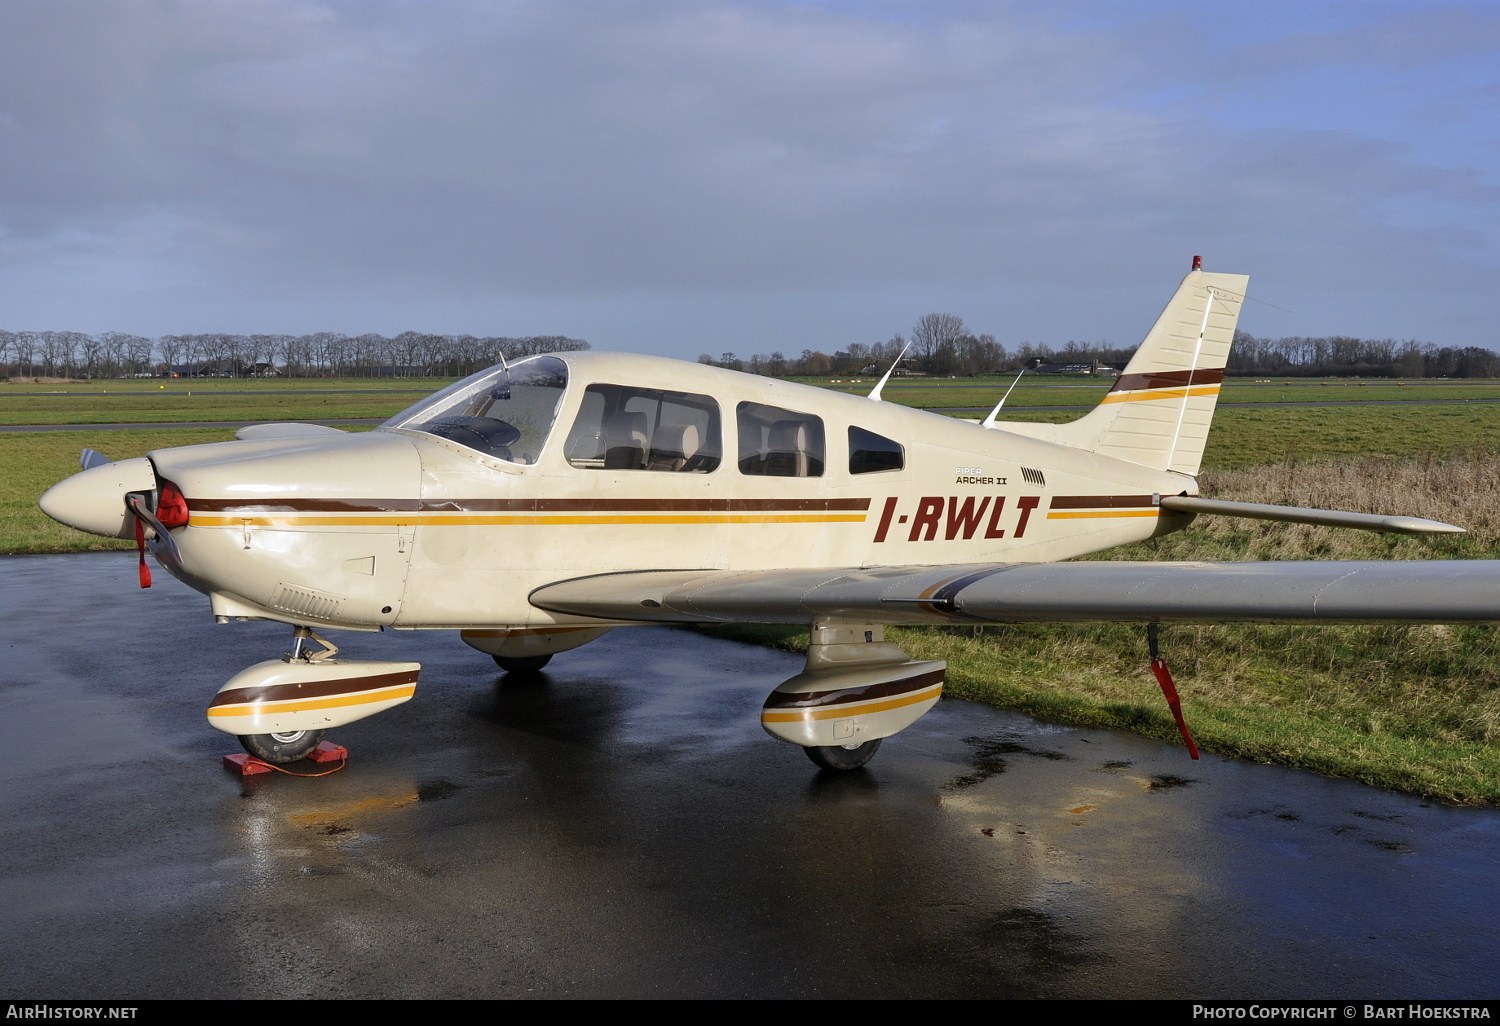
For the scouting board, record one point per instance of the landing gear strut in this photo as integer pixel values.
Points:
(854, 689)
(279, 709)
(291, 745)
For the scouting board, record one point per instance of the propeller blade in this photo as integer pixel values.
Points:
(163, 546)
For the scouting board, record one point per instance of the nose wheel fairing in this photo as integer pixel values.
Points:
(287, 695)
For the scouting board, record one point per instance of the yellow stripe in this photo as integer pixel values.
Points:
(509, 520)
(850, 709)
(1158, 393)
(292, 705)
(1090, 514)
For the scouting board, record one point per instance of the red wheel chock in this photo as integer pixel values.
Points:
(247, 765)
(327, 751)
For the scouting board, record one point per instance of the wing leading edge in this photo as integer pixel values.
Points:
(1430, 591)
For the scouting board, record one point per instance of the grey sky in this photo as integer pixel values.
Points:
(700, 177)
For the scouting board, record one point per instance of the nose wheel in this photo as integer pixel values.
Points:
(278, 749)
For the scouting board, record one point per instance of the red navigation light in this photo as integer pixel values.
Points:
(171, 507)
(1197, 263)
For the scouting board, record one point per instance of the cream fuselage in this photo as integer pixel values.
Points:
(401, 528)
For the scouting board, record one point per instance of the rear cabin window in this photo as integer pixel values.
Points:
(779, 443)
(625, 428)
(870, 453)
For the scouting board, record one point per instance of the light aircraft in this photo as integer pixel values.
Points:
(537, 505)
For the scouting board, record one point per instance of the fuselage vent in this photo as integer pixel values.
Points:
(1035, 477)
(291, 599)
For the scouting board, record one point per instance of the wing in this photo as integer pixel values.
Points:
(1433, 591)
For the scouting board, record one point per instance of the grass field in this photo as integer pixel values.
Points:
(1050, 390)
(1411, 708)
(150, 386)
(30, 463)
(152, 400)
(128, 402)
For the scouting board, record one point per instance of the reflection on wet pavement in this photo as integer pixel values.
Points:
(622, 827)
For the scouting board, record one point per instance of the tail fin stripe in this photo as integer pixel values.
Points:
(1168, 379)
(1157, 393)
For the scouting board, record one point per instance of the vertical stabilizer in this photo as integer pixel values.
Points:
(1159, 410)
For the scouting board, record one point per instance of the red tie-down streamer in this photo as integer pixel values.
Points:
(140, 547)
(1168, 688)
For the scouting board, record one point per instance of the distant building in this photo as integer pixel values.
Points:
(1041, 366)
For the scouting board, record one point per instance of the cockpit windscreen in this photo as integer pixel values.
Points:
(504, 412)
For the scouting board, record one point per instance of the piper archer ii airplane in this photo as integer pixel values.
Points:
(537, 505)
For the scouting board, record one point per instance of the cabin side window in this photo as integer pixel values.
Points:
(870, 453)
(779, 443)
(624, 428)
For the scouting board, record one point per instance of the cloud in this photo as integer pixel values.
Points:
(289, 158)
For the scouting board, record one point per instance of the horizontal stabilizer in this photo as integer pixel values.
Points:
(1302, 515)
(1427, 591)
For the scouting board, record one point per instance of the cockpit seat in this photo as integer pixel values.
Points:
(673, 447)
(787, 449)
(625, 441)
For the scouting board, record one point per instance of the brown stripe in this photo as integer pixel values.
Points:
(312, 689)
(1100, 501)
(305, 505)
(1168, 379)
(521, 505)
(843, 696)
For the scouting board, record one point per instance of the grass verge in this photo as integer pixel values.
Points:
(1411, 709)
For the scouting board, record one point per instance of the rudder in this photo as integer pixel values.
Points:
(1161, 406)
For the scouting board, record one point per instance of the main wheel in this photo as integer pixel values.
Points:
(522, 664)
(281, 748)
(843, 757)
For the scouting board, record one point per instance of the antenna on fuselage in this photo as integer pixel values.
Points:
(875, 392)
(989, 421)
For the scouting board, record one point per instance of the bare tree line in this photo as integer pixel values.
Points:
(942, 345)
(113, 354)
(1341, 356)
